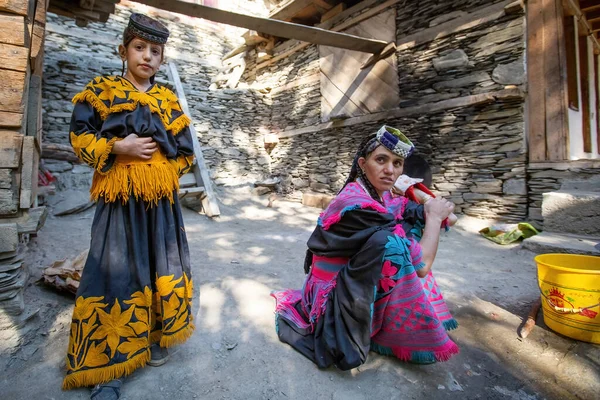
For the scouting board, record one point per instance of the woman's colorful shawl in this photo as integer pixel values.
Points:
(362, 291)
(111, 108)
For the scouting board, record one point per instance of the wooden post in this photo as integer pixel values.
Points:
(209, 202)
(555, 79)
(584, 71)
(536, 104)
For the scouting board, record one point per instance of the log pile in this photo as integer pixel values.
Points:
(22, 29)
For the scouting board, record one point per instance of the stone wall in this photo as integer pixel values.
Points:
(227, 121)
(477, 150)
(549, 177)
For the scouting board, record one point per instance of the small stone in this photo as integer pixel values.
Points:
(454, 59)
(510, 74)
(515, 186)
(216, 346)
(441, 387)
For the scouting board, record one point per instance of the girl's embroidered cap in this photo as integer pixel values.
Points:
(395, 141)
(147, 28)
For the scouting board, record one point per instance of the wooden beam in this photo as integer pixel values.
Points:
(589, 5)
(536, 102)
(467, 101)
(14, 57)
(11, 143)
(329, 23)
(12, 86)
(570, 7)
(593, 15)
(15, 6)
(287, 10)
(584, 73)
(10, 119)
(556, 118)
(13, 30)
(271, 27)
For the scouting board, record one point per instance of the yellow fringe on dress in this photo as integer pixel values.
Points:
(179, 337)
(179, 124)
(93, 377)
(89, 96)
(149, 180)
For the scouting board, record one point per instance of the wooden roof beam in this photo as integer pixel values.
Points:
(270, 26)
(572, 8)
(589, 5)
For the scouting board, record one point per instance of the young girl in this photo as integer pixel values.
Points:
(134, 299)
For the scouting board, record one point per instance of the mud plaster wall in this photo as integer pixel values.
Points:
(226, 119)
(477, 152)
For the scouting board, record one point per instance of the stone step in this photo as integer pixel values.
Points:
(549, 242)
(572, 211)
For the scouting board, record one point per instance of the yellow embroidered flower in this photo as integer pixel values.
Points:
(186, 291)
(113, 326)
(165, 284)
(110, 90)
(85, 307)
(132, 346)
(96, 356)
(168, 100)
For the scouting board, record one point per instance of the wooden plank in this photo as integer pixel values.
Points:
(536, 102)
(467, 101)
(586, 129)
(349, 91)
(556, 93)
(293, 48)
(571, 8)
(333, 12)
(34, 122)
(12, 86)
(36, 56)
(271, 27)
(40, 12)
(10, 149)
(287, 10)
(596, 102)
(29, 164)
(14, 6)
(13, 30)
(10, 120)
(13, 57)
(209, 203)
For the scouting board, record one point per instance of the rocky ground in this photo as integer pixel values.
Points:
(235, 354)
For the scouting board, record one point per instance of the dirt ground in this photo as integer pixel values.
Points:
(250, 250)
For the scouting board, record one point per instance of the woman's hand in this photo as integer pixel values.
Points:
(135, 146)
(438, 209)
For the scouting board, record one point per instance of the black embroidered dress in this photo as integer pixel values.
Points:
(136, 287)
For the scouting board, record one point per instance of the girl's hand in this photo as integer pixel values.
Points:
(135, 146)
(438, 208)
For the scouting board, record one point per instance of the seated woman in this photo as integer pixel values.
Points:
(369, 286)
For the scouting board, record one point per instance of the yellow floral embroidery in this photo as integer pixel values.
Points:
(102, 92)
(99, 334)
(114, 326)
(91, 150)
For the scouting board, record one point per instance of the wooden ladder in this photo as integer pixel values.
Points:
(195, 183)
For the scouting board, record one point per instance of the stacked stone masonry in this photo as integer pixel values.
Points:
(477, 152)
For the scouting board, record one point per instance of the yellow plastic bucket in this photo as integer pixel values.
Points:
(570, 292)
